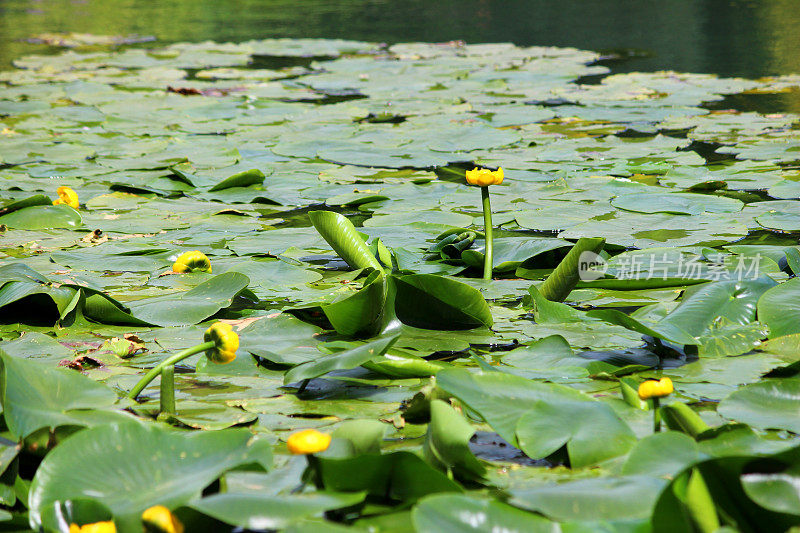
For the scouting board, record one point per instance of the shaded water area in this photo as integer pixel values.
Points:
(728, 37)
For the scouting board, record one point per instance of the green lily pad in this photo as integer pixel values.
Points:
(99, 464)
(344, 360)
(604, 498)
(43, 217)
(37, 395)
(767, 404)
(454, 513)
(257, 511)
(778, 309)
(676, 203)
(184, 309)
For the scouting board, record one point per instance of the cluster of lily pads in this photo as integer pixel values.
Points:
(249, 287)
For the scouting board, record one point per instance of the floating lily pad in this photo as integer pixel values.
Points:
(43, 217)
(177, 467)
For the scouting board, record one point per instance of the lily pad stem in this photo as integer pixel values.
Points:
(156, 370)
(488, 262)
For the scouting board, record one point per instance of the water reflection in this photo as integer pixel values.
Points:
(729, 37)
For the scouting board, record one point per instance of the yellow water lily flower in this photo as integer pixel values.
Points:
(484, 177)
(191, 262)
(97, 527)
(67, 196)
(158, 519)
(226, 342)
(308, 441)
(655, 388)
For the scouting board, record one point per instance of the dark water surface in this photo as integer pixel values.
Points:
(727, 37)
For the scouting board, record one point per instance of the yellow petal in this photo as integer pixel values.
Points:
(483, 177)
(97, 527)
(308, 441)
(191, 262)
(67, 196)
(655, 388)
(159, 519)
(226, 343)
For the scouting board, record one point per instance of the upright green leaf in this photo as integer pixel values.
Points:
(447, 442)
(549, 312)
(429, 301)
(362, 312)
(689, 505)
(563, 279)
(340, 233)
(680, 417)
(699, 503)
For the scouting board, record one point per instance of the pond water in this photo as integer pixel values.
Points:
(728, 37)
(120, 169)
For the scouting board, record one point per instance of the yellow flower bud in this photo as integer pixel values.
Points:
(226, 342)
(191, 262)
(655, 388)
(97, 527)
(158, 519)
(308, 441)
(484, 177)
(67, 196)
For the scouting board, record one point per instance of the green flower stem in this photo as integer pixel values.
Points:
(167, 396)
(311, 474)
(156, 370)
(656, 416)
(313, 464)
(488, 258)
(303, 386)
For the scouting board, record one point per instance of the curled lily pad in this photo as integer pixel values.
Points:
(435, 302)
(188, 308)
